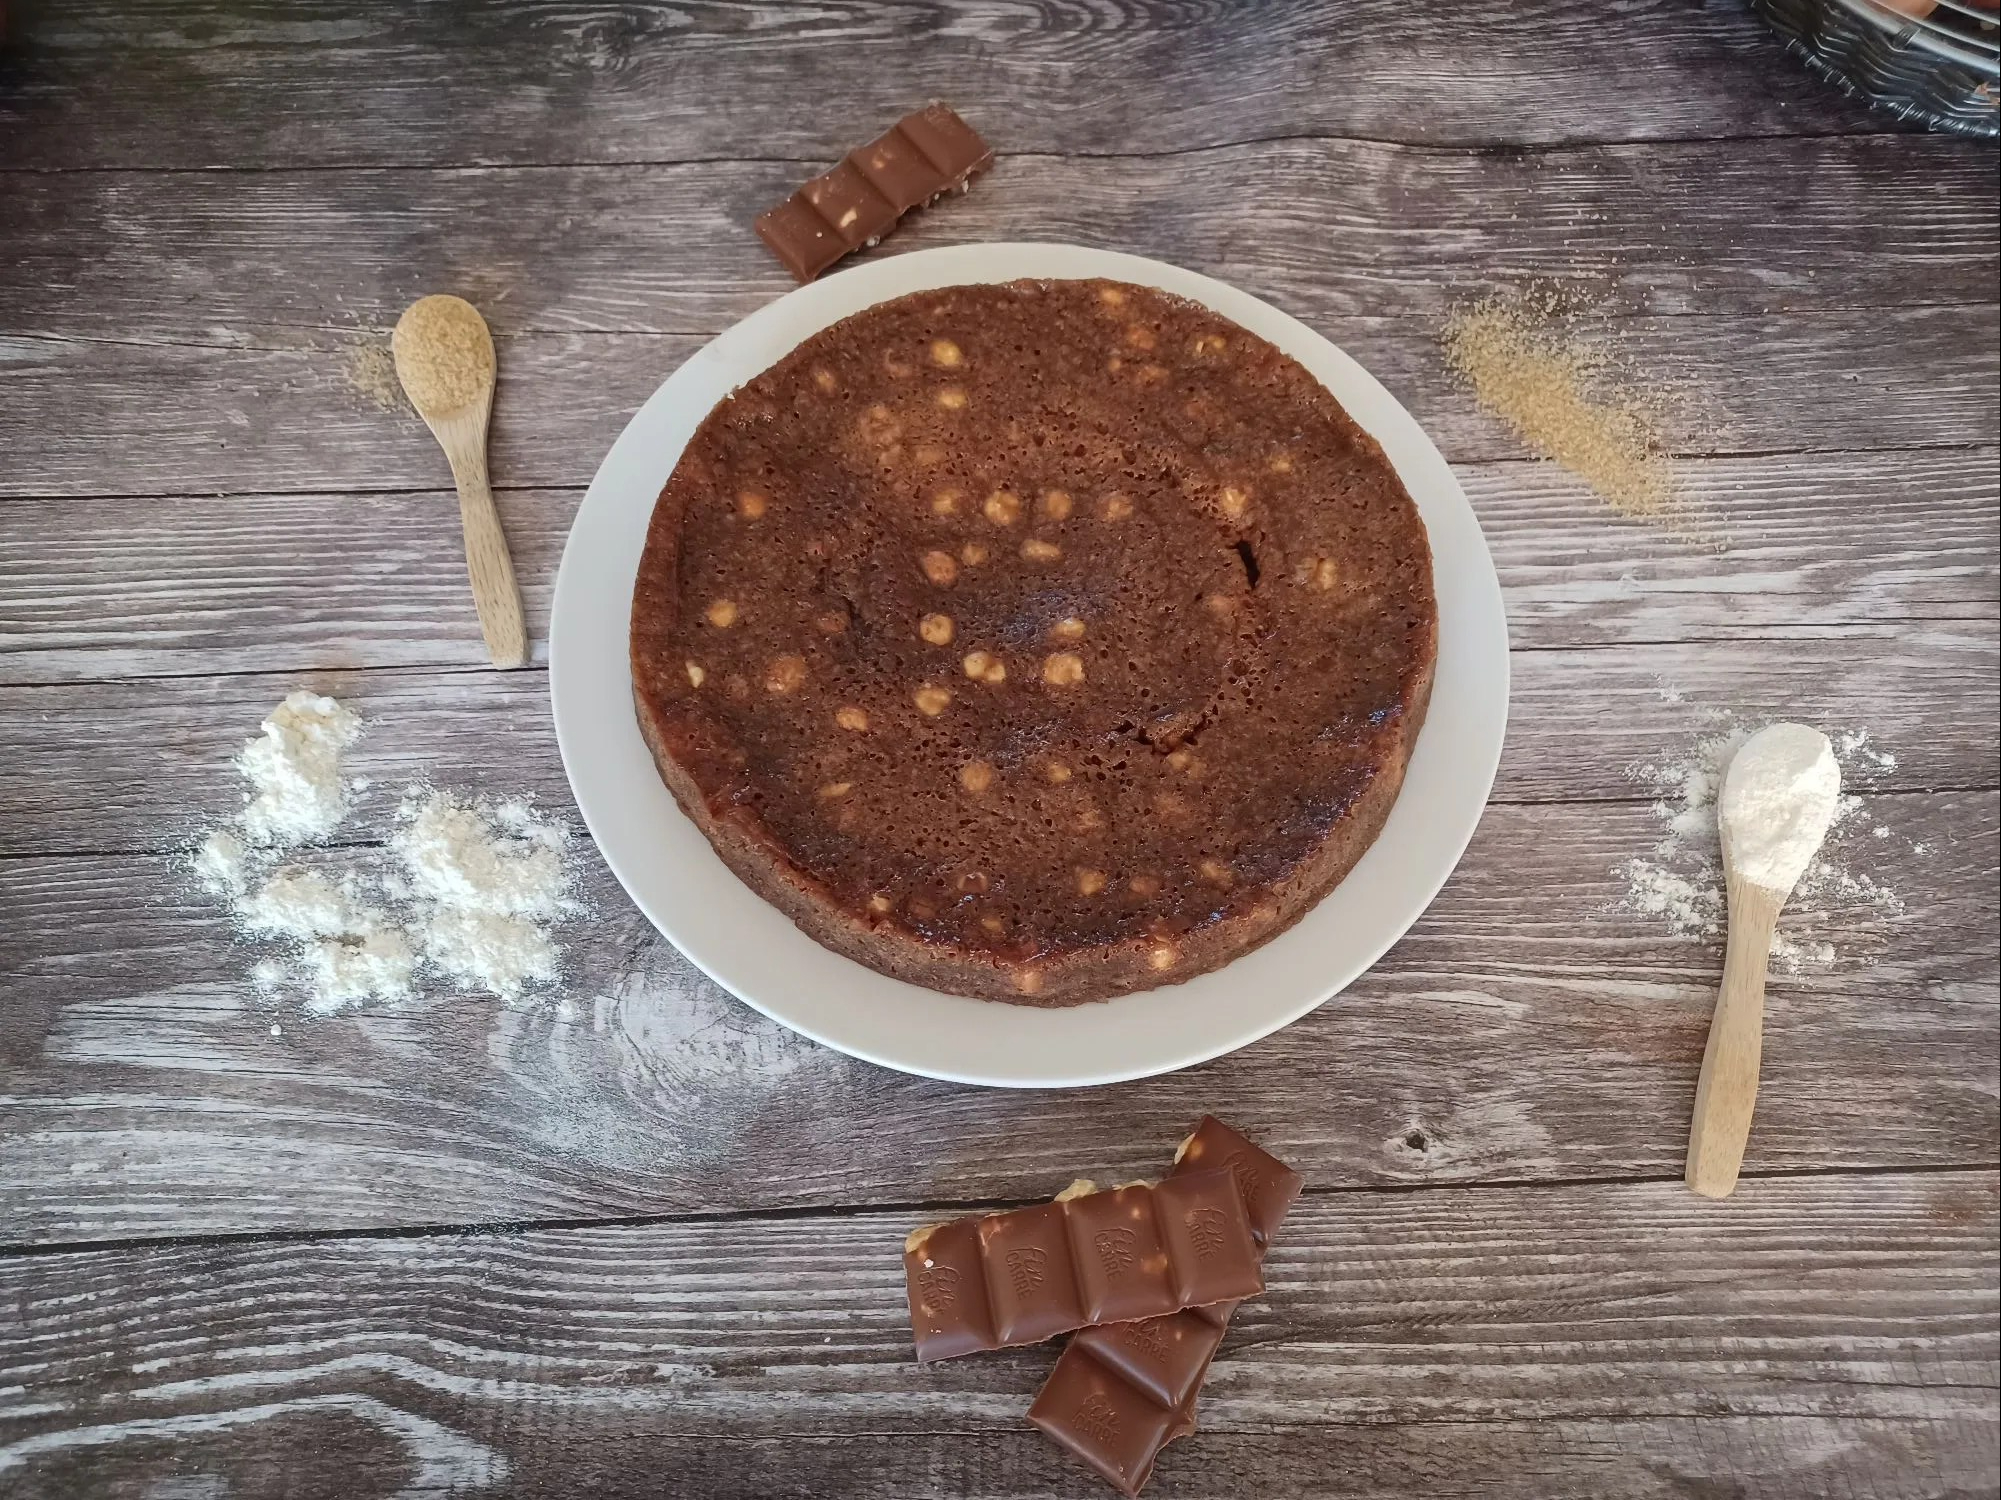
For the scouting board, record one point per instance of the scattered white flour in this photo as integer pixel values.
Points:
(1854, 746)
(485, 880)
(293, 768)
(220, 864)
(1679, 882)
(466, 888)
(1779, 797)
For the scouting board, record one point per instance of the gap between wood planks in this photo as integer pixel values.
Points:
(489, 1228)
(1215, 1422)
(811, 164)
(1507, 461)
(1821, 632)
(351, 845)
(356, 332)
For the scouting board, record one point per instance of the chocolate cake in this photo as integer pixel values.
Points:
(1039, 642)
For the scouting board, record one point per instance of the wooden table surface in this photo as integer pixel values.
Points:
(643, 1242)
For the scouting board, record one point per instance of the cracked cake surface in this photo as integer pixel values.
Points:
(1040, 642)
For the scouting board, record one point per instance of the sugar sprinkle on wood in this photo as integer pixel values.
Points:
(1562, 397)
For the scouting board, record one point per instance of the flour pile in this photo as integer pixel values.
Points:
(1680, 880)
(467, 888)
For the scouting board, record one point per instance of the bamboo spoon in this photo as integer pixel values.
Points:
(1778, 799)
(444, 357)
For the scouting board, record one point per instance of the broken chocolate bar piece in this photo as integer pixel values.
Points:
(1110, 1426)
(1120, 1386)
(1020, 1277)
(915, 162)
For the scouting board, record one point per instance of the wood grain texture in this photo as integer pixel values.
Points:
(1814, 1333)
(1823, 546)
(1326, 228)
(267, 84)
(294, 409)
(338, 1446)
(210, 213)
(1524, 1030)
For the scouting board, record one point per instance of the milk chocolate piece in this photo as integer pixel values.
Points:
(1211, 1254)
(1092, 1403)
(1031, 1274)
(948, 1290)
(851, 206)
(952, 145)
(1268, 1184)
(1121, 1263)
(1165, 1357)
(914, 163)
(1137, 1251)
(1109, 1425)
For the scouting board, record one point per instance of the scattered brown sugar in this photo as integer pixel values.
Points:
(371, 374)
(1561, 396)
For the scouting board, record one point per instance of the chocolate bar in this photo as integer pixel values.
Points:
(914, 163)
(996, 1280)
(1121, 1392)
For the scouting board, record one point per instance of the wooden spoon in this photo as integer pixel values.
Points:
(1778, 799)
(444, 357)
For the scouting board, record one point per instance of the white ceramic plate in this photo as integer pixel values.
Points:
(751, 950)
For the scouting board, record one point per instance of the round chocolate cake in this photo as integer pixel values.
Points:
(1039, 642)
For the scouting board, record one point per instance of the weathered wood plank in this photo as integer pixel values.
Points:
(1818, 1335)
(1657, 1342)
(303, 410)
(1326, 228)
(264, 85)
(1523, 1030)
(137, 766)
(1883, 546)
(338, 1446)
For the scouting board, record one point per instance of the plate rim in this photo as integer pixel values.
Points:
(588, 729)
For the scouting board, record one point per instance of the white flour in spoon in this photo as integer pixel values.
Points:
(467, 889)
(1779, 796)
(1679, 881)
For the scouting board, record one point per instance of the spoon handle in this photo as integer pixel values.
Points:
(494, 591)
(1729, 1085)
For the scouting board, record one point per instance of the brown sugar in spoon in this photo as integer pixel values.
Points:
(444, 357)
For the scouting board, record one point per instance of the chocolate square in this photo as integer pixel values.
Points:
(1208, 1238)
(947, 1283)
(1029, 1281)
(800, 238)
(1268, 1185)
(853, 209)
(1121, 1264)
(898, 170)
(954, 147)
